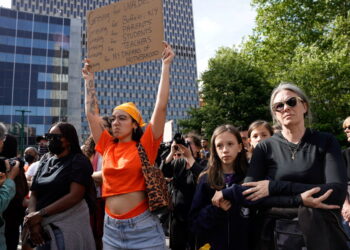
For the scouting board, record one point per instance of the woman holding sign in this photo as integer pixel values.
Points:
(128, 221)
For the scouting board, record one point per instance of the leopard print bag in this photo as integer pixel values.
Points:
(156, 187)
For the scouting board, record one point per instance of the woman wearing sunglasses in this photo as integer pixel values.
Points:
(301, 175)
(58, 207)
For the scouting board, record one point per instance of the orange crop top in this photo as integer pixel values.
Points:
(121, 166)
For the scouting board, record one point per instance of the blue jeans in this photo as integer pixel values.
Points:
(59, 241)
(141, 232)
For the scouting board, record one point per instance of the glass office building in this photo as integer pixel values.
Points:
(137, 83)
(38, 55)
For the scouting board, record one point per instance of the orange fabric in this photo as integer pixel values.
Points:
(139, 209)
(121, 171)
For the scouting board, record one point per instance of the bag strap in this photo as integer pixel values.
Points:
(143, 156)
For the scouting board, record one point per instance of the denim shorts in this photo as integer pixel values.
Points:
(141, 232)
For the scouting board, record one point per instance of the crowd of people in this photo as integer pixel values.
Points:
(265, 188)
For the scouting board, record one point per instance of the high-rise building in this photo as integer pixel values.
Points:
(137, 83)
(39, 64)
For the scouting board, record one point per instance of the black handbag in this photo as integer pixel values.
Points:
(288, 236)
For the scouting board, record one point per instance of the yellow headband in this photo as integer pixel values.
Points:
(132, 110)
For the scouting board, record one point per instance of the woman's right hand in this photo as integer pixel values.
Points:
(86, 70)
(36, 235)
(310, 201)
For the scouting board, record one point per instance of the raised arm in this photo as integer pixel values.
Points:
(159, 112)
(91, 103)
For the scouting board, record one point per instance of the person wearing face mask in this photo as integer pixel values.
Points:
(58, 212)
(31, 156)
(42, 145)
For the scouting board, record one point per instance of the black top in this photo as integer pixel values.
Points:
(183, 185)
(223, 230)
(318, 163)
(54, 176)
(346, 155)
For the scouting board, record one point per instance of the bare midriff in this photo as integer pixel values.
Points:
(123, 203)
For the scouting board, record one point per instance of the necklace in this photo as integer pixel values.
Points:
(292, 149)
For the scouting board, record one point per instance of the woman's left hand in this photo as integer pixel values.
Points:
(225, 205)
(310, 201)
(33, 218)
(258, 190)
(168, 54)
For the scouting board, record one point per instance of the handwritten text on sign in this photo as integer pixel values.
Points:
(123, 33)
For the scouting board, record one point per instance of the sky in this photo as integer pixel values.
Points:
(220, 23)
(217, 23)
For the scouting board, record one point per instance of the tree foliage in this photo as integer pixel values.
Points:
(306, 42)
(233, 91)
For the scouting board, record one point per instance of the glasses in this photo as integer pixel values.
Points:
(51, 137)
(348, 127)
(291, 102)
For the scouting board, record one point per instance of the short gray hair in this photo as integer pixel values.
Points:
(294, 88)
(3, 131)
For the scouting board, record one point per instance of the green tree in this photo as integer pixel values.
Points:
(233, 91)
(306, 42)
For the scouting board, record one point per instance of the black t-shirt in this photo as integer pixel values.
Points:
(346, 155)
(54, 176)
(317, 163)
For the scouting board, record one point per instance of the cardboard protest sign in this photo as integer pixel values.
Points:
(123, 33)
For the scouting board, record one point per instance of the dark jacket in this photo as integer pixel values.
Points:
(346, 156)
(183, 185)
(221, 229)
